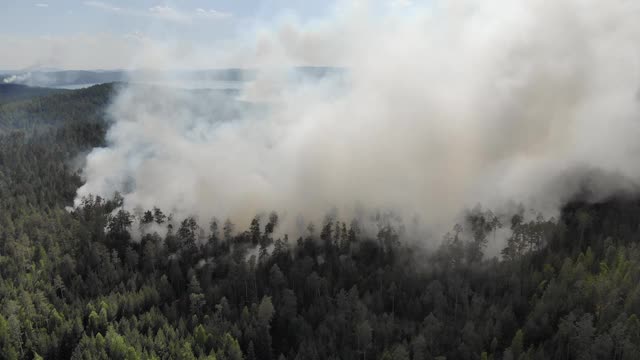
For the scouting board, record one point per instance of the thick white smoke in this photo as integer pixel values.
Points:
(439, 107)
(16, 78)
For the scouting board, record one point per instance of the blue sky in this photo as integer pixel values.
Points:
(57, 17)
(40, 32)
(104, 34)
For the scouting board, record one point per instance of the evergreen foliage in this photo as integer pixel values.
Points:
(73, 284)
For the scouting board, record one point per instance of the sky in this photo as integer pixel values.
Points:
(79, 34)
(93, 34)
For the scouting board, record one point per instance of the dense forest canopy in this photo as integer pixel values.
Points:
(14, 92)
(75, 283)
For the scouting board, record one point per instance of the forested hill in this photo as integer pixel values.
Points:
(13, 92)
(60, 107)
(76, 285)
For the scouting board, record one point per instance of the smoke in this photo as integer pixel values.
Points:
(437, 107)
(16, 78)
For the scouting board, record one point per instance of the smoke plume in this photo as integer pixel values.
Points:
(433, 108)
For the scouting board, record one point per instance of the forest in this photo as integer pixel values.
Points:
(75, 283)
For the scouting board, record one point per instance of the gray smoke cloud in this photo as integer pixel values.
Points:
(440, 107)
(16, 78)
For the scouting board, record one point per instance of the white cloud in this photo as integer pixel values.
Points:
(165, 12)
(102, 5)
(162, 12)
(42, 5)
(168, 13)
(212, 14)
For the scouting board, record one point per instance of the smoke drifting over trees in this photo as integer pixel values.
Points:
(420, 114)
(454, 104)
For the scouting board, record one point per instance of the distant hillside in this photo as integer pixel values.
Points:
(72, 78)
(63, 78)
(87, 77)
(42, 107)
(57, 106)
(15, 92)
